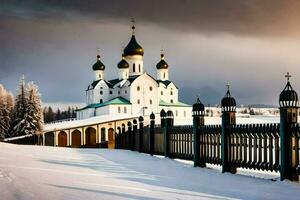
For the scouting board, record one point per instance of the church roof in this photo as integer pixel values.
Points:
(178, 104)
(115, 101)
(166, 82)
(95, 83)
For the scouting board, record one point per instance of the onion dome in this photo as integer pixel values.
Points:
(98, 65)
(133, 48)
(288, 97)
(198, 108)
(162, 63)
(123, 64)
(228, 103)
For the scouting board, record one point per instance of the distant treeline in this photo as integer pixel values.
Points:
(50, 115)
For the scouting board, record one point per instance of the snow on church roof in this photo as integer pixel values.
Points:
(115, 101)
(178, 104)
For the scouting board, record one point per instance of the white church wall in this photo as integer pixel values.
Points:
(101, 91)
(144, 95)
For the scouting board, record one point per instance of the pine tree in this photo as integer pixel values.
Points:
(6, 105)
(20, 120)
(34, 109)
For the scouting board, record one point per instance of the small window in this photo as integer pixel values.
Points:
(125, 91)
(133, 67)
(139, 67)
(184, 113)
(101, 100)
(164, 75)
(100, 76)
(119, 109)
(125, 110)
(171, 101)
(110, 92)
(119, 92)
(138, 101)
(138, 88)
(176, 113)
(161, 93)
(150, 101)
(150, 88)
(171, 92)
(101, 92)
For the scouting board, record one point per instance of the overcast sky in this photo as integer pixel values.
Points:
(251, 44)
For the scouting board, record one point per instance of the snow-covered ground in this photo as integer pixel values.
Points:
(36, 172)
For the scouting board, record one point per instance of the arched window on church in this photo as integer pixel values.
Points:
(150, 101)
(164, 75)
(101, 100)
(138, 88)
(119, 109)
(150, 88)
(125, 110)
(133, 67)
(101, 92)
(161, 93)
(138, 101)
(139, 67)
(100, 76)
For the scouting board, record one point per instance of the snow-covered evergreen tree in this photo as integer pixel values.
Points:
(34, 109)
(6, 105)
(20, 120)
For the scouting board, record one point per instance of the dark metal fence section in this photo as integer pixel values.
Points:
(254, 146)
(210, 144)
(158, 140)
(146, 140)
(181, 142)
(295, 130)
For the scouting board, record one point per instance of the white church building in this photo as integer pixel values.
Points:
(133, 91)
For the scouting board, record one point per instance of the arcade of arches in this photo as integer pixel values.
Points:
(97, 135)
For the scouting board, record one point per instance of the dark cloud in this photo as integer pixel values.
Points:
(271, 17)
(207, 43)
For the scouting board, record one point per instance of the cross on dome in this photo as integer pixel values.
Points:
(133, 27)
(288, 76)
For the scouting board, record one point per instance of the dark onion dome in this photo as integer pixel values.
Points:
(162, 63)
(198, 106)
(288, 97)
(228, 103)
(133, 48)
(98, 65)
(123, 64)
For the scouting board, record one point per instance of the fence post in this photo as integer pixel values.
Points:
(198, 121)
(151, 137)
(289, 105)
(168, 124)
(228, 107)
(134, 134)
(129, 135)
(141, 133)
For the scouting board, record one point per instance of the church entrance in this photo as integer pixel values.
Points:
(62, 139)
(111, 138)
(90, 137)
(76, 139)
